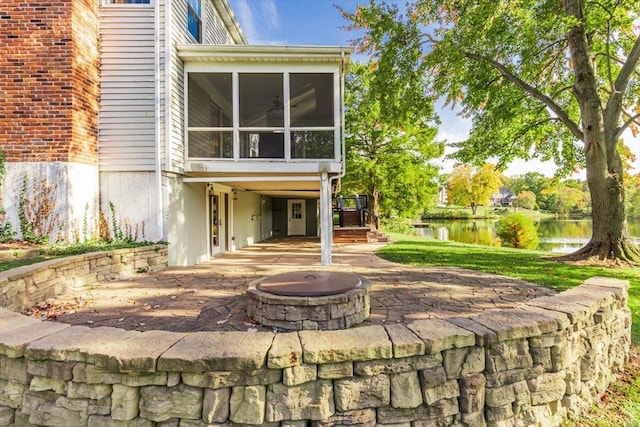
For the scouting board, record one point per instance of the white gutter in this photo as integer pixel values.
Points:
(266, 53)
(230, 21)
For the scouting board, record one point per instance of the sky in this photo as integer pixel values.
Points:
(318, 22)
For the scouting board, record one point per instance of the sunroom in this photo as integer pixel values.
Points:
(267, 120)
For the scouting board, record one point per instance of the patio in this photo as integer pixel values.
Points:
(211, 296)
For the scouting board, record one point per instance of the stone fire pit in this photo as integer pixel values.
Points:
(310, 300)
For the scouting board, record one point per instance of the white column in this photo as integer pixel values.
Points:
(326, 223)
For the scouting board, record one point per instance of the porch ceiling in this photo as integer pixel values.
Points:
(304, 186)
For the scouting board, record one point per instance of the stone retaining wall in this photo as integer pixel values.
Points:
(24, 287)
(527, 366)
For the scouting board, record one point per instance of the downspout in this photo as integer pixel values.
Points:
(158, 124)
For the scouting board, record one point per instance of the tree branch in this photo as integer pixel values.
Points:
(625, 125)
(532, 91)
(614, 103)
(628, 67)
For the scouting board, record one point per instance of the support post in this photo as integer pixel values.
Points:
(326, 220)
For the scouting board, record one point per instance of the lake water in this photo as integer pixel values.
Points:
(556, 235)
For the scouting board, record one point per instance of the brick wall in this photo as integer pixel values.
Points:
(49, 80)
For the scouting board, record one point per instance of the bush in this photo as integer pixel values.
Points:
(403, 226)
(517, 231)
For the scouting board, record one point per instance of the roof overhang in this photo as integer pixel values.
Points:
(264, 54)
(281, 185)
(230, 21)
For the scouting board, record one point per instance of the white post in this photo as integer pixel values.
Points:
(326, 222)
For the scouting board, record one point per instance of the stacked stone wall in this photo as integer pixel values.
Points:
(532, 365)
(24, 287)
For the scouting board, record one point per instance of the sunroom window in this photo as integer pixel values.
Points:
(280, 115)
(210, 115)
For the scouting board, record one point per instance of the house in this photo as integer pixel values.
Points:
(157, 117)
(505, 197)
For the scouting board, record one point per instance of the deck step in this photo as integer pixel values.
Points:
(358, 235)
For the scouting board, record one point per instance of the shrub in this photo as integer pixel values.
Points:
(517, 231)
(403, 226)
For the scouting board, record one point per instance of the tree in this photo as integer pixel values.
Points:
(388, 158)
(526, 199)
(534, 182)
(469, 186)
(556, 79)
(633, 195)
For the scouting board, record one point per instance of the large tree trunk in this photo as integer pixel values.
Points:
(610, 238)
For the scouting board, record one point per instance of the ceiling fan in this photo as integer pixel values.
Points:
(277, 104)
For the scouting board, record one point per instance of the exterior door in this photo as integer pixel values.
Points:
(217, 223)
(297, 217)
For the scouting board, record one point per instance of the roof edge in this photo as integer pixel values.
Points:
(265, 52)
(230, 21)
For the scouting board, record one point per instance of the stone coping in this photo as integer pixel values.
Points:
(24, 287)
(531, 365)
(151, 351)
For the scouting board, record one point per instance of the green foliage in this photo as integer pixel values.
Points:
(536, 183)
(532, 266)
(26, 226)
(572, 199)
(469, 186)
(633, 195)
(387, 157)
(6, 230)
(505, 64)
(404, 226)
(526, 200)
(538, 78)
(92, 246)
(517, 231)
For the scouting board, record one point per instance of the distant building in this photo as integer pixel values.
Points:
(443, 199)
(505, 197)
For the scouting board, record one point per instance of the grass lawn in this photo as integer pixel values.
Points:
(461, 212)
(624, 406)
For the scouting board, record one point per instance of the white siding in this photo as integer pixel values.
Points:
(214, 32)
(127, 136)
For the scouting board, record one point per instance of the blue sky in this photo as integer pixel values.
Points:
(294, 22)
(318, 22)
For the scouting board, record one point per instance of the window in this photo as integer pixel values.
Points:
(279, 115)
(210, 115)
(129, 2)
(194, 19)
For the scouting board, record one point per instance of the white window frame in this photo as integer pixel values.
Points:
(200, 21)
(110, 3)
(285, 70)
